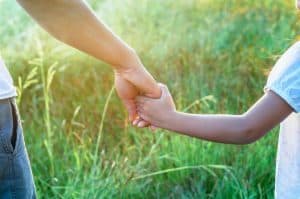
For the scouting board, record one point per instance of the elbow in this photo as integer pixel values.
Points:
(249, 132)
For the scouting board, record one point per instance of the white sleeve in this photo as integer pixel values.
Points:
(284, 78)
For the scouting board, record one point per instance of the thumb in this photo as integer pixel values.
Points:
(164, 89)
(144, 82)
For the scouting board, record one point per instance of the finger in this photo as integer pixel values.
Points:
(139, 105)
(164, 89)
(143, 117)
(139, 109)
(145, 83)
(136, 121)
(131, 108)
(143, 124)
(141, 99)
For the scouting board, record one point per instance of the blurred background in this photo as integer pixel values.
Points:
(214, 56)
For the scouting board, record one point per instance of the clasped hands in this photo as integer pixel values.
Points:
(148, 103)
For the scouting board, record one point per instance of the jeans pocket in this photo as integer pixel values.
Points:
(8, 127)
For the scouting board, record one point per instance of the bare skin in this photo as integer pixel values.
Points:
(75, 24)
(266, 113)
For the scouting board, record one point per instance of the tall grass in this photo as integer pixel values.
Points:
(214, 56)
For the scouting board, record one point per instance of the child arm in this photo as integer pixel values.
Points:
(266, 113)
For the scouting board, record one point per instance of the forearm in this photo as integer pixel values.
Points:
(266, 113)
(217, 128)
(74, 23)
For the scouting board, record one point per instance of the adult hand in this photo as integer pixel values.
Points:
(96, 39)
(132, 82)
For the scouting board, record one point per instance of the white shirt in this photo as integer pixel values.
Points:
(287, 184)
(284, 80)
(7, 88)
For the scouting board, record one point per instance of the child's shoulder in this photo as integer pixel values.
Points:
(294, 47)
(284, 77)
(290, 57)
(297, 43)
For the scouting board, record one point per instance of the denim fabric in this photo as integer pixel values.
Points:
(16, 180)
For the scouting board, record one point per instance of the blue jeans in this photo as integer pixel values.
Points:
(16, 180)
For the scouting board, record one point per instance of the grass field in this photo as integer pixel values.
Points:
(214, 56)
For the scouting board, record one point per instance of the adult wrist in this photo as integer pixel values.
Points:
(129, 62)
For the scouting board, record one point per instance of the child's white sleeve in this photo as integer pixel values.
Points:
(284, 78)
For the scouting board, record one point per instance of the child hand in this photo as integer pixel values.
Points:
(157, 111)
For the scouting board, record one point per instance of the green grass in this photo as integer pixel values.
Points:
(214, 56)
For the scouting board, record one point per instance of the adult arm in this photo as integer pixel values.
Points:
(74, 23)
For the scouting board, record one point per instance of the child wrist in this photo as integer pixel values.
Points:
(171, 120)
